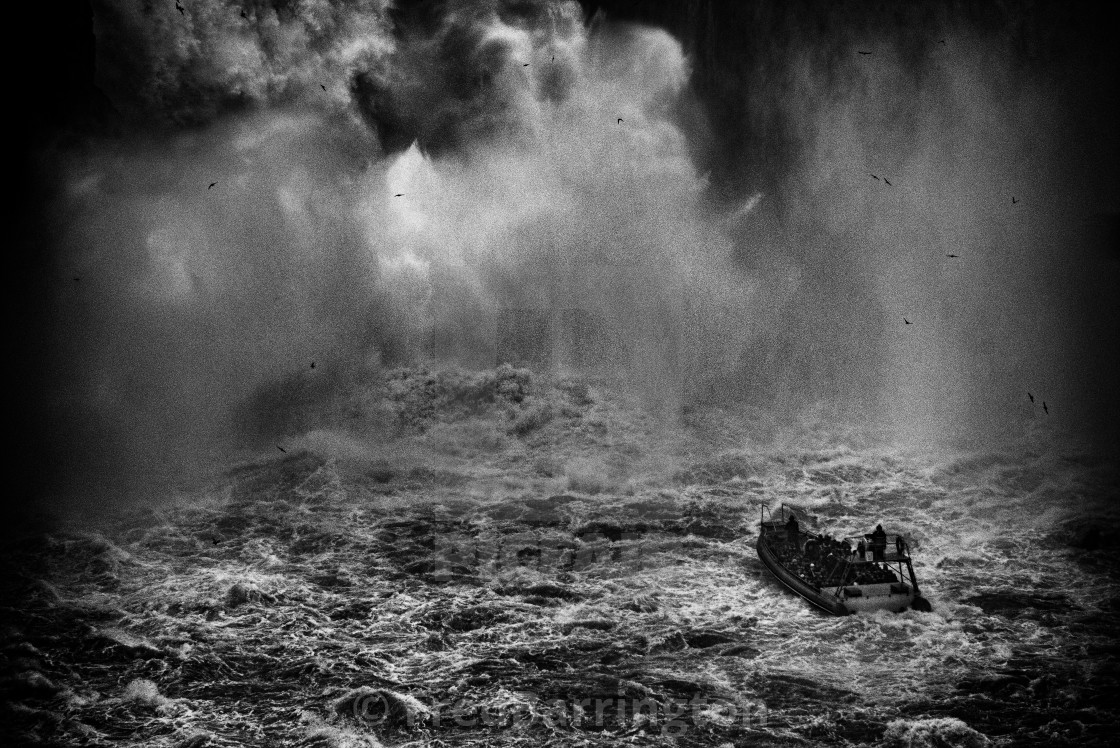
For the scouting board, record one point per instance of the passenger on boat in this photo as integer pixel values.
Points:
(792, 530)
(878, 540)
(875, 574)
(836, 570)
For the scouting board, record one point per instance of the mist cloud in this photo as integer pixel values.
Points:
(781, 276)
(200, 309)
(961, 114)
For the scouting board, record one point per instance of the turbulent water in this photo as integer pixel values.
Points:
(553, 562)
(725, 256)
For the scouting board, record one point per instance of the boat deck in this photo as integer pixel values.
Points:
(892, 594)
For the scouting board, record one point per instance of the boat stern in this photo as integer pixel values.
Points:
(861, 598)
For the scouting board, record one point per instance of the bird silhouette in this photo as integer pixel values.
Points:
(399, 194)
(1047, 410)
(76, 279)
(1030, 396)
(952, 255)
(282, 449)
(312, 364)
(907, 321)
(212, 184)
(619, 121)
(322, 87)
(875, 177)
(243, 14)
(1013, 200)
(888, 182)
(941, 42)
(524, 64)
(180, 9)
(863, 53)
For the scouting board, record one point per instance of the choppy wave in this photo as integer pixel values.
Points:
(605, 550)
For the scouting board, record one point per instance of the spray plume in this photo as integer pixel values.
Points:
(390, 181)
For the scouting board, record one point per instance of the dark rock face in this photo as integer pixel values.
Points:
(1089, 539)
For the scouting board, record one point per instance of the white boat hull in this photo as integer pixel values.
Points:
(866, 598)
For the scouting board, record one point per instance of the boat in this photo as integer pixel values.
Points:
(833, 576)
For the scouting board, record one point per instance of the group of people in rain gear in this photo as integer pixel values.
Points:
(821, 560)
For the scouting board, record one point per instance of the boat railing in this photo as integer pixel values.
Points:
(763, 511)
(895, 547)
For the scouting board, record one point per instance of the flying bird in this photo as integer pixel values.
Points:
(888, 182)
(875, 177)
(619, 121)
(907, 321)
(399, 194)
(212, 184)
(941, 42)
(282, 449)
(180, 9)
(322, 87)
(1030, 396)
(1045, 408)
(312, 364)
(952, 255)
(243, 14)
(1013, 200)
(524, 64)
(863, 53)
